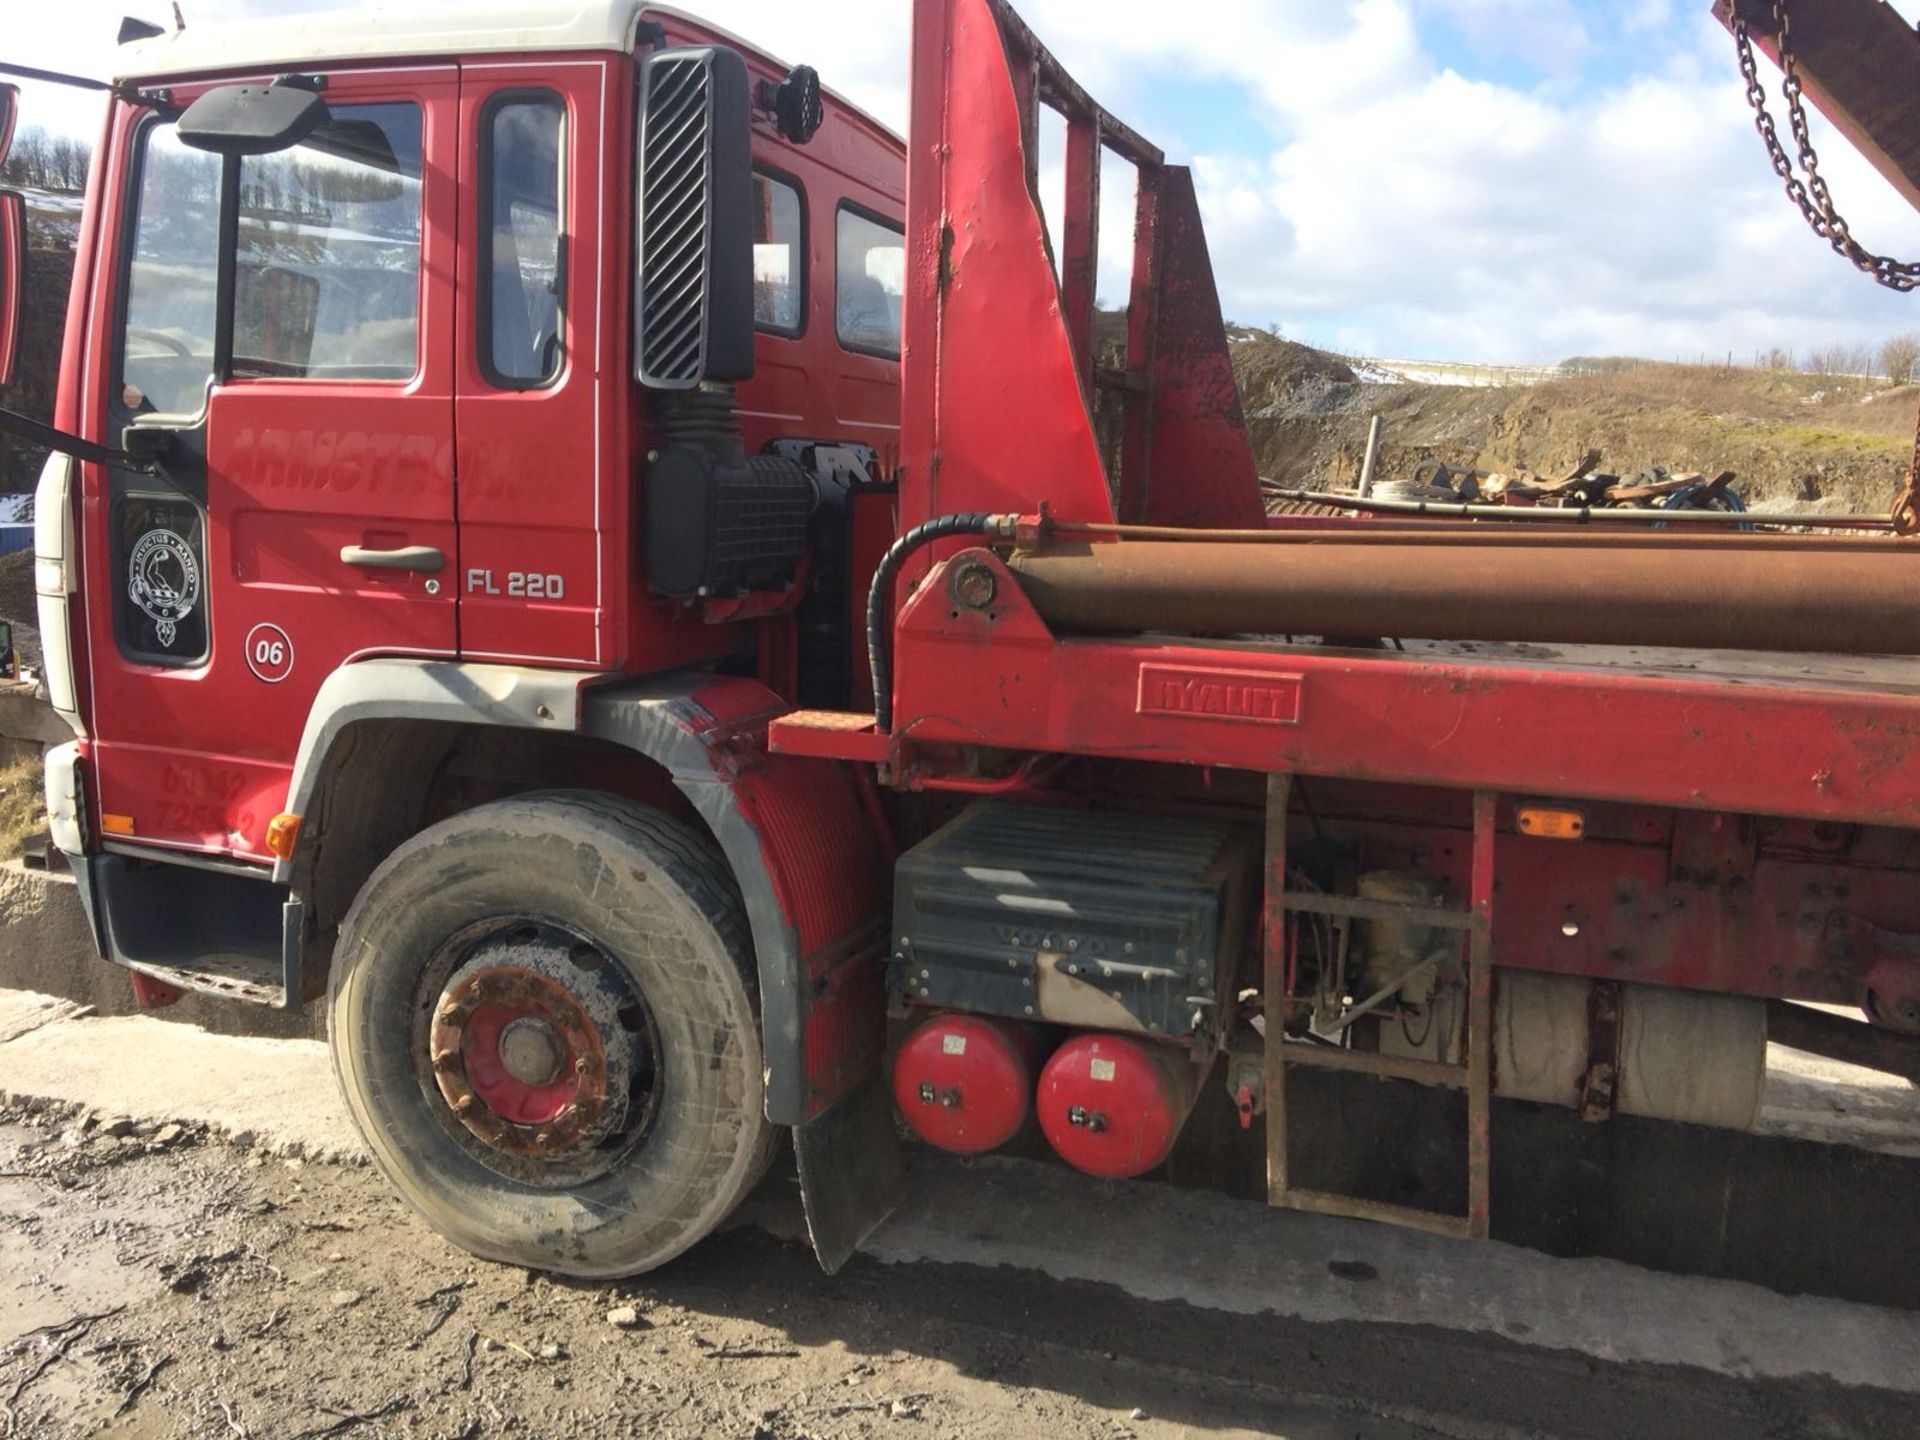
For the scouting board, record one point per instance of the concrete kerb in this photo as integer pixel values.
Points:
(277, 1095)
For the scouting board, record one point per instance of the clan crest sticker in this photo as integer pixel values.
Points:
(163, 579)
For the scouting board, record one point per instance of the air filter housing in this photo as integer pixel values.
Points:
(693, 222)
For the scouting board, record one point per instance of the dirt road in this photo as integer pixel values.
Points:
(160, 1282)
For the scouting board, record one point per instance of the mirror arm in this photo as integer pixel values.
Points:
(157, 99)
(54, 77)
(48, 438)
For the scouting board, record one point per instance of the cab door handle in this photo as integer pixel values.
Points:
(422, 558)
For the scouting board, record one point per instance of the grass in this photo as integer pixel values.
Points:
(22, 807)
(1820, 409)
(1816, 437)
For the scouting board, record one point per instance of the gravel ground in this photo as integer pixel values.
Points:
(155, 1282)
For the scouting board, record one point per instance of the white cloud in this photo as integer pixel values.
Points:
(1548, 34)
(1366, 195)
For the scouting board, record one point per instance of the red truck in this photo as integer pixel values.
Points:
(656, 599)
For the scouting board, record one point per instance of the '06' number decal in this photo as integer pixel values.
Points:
(521, 584)
(269, 653)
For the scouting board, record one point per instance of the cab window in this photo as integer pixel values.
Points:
(166, 351)
(870, 272)
(328, 283)
(522, 283)
(779, 257)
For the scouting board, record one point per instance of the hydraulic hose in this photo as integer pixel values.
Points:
(879, 648)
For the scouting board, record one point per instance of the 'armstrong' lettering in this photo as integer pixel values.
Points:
(1223, 694)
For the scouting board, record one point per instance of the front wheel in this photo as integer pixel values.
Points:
(542, 1016)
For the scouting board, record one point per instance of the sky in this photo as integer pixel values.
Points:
(1502, 181)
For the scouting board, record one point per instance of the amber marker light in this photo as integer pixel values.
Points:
(1551, 822)
(283, 833)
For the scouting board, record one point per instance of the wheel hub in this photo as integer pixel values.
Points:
(533, 1048)
(532, 1051)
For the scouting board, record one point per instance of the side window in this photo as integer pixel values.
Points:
(166, 349)
(328, 282)
(166, 358)
(779, 257)
(869, 281)
(521, 256)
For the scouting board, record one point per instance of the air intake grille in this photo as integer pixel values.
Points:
(675, 221)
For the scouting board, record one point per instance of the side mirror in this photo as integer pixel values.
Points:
(13, 279)
(9, 112)
(238, 120)
(693, 227)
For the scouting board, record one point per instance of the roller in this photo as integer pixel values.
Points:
(1833, 597)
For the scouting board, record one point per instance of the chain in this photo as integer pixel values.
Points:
(1812, 196)
(1816, 203)
(1905, 513)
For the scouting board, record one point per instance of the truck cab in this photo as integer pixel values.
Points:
(385, 373)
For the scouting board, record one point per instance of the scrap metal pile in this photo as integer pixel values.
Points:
(1583, 486)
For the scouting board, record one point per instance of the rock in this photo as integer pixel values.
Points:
(334, 1257)
(549, 1352)
(488, 1344)
(624, 1317)
(903, 1410)
(119, 1125)
(342, 1299)
(168, 1133)
(1136, 1413)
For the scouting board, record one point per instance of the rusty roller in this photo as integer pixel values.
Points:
(1856, 599)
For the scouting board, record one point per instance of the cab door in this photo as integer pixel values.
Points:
(540, 418)
(303, 514)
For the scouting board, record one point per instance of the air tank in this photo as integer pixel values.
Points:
(964, 1082)
(1113, 1105)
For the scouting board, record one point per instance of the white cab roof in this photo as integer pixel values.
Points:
(383, 31)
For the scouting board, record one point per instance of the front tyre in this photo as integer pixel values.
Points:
(542, 1014)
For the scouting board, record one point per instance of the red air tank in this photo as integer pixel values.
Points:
(1113, 1105)
(963, 1082)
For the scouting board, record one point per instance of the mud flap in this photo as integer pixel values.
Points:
(852, 1172)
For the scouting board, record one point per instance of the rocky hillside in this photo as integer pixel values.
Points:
(1796, 441)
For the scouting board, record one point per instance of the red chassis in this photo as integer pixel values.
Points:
(1745, 815)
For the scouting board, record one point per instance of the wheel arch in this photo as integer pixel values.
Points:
(795, 834)
(809, 864)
